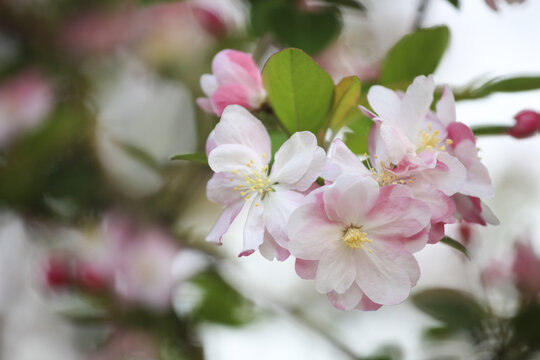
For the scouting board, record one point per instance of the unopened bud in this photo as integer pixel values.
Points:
(527, 124)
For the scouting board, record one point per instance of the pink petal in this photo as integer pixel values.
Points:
(449, 176)
(387, 274)
(271, 250)
(436, 233)
(349, 300)
(238, 126)
(230, 94)
(397, 218)
(311, 233)
(350, 198)
(367, 305)
(205, 104)
(231, 66)
(440, 205)
(306, 269)
(458, 132)
(224, 221)
(336, 270)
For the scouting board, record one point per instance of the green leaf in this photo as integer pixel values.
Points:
(220, 303)
(196, 157)
(418, 53)
(357, 139)
(455, 3)
(498, 85)
(277, 138)
(300, 91)
(353, 4)
(347, 96)
(456, 245)
(311, 31)
(139, 154)
(456, 309)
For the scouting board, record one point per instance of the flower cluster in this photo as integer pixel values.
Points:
(352, 222)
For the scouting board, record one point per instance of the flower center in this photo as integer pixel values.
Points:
(255, 182)
(429, 140)
(355, 238)
(385, 177)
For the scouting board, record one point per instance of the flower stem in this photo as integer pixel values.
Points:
(483, 130)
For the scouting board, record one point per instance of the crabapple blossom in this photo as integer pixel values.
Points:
(441, 207)
(353, 238)
(239, 155)
(236, 79)
(412, 142)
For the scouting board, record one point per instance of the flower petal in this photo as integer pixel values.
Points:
(254, 228)
(306, 269)
(415, 105)
(230, 94)
(336, 270)
(385, 102)
(446, 107)
(294, 160)
(347, 161)
(238, 126)
(234, 158)
(278, 206)
(350, 198)
(232, 66)
(224, 221)
(220, 189)
(271, 250)
(349, 300)
(387, 274)
(209, 84)
(448, 176)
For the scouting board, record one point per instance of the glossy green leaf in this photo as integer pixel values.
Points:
(456, 245)
(357, 139)
(456, 309)
(300, 91)
(346, 98)
(418, 53)
(196, 157)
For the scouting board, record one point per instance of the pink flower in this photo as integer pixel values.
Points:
(527, 124)
(408, 141)
(440, 205)
(235, 80)
(25, 101)
(239, 156)
(526, 268)
(354, 239)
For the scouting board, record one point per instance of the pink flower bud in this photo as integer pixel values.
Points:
(57, 273)
(527, 124)
(526, 268)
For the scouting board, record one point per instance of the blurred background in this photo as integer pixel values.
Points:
(102, 245)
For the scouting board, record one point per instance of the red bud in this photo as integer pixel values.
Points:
(527, 124)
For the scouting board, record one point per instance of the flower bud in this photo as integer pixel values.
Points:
(527, 124)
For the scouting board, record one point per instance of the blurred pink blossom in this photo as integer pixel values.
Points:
(236, 80)
(25, 101)
(526, 268)
(356, 240)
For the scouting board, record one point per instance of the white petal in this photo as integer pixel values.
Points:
(448, 181)
(294, 160)
(278, 207)
(238, 126)
(347, 161)
(387, 274)
(254, 228)
(446, 107)
(234, 158)
(209, 84)
(348, 300)
(336, 271)
(224, 221)
(221, 190)
(385, 103)
(415, 105)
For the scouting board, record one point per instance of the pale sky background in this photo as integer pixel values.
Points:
(483, 44)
